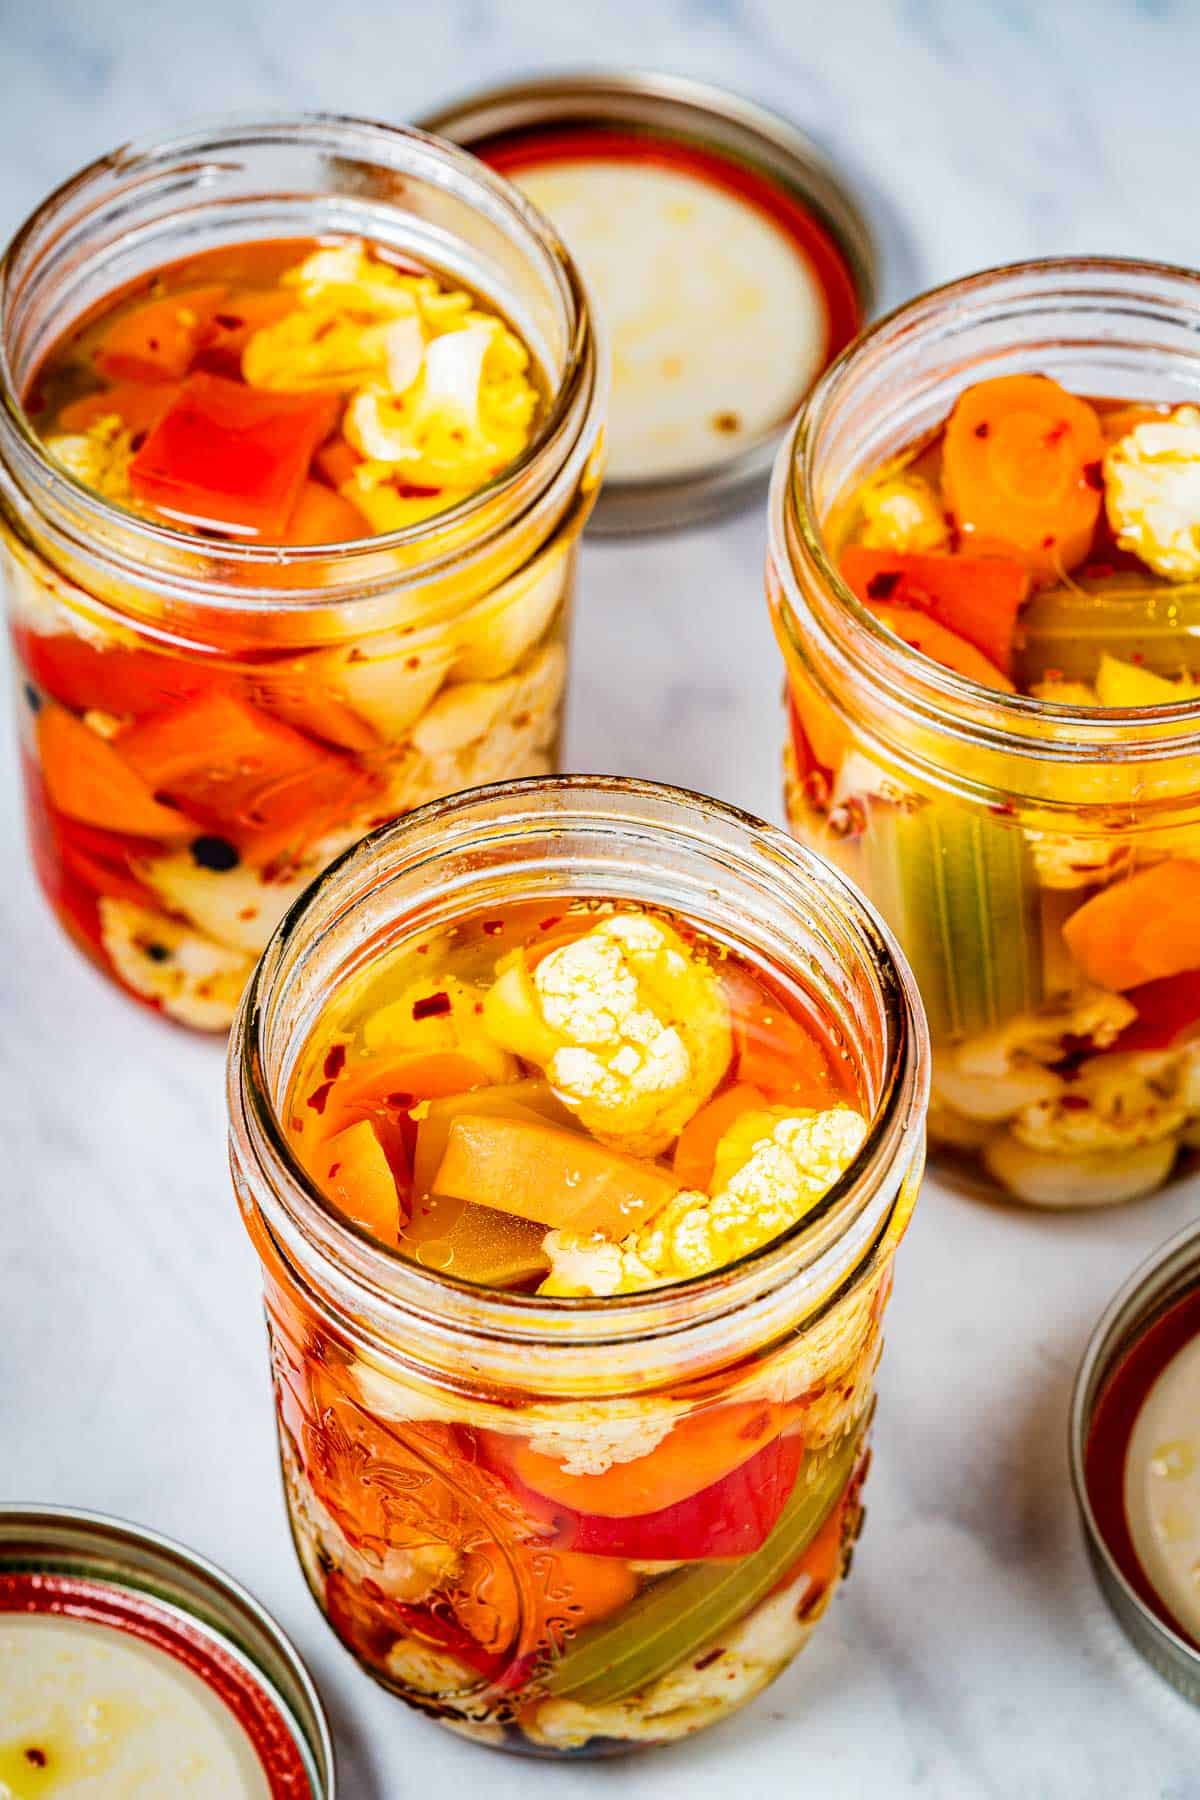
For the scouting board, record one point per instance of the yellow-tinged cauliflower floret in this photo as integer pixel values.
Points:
(771, 1167)
(1114, 1102)
(902, 514)
(193, 979)
(1152, 492)
(994, 1075)
(632, 1030)
(434, 1014)
(98, 457)
(440, 395)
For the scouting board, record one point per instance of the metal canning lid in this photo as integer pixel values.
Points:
(190, 1632)
(1119, 1407)
(730, 259)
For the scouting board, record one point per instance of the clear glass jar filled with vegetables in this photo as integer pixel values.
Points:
(575, 1124)
(985, 580)
(300, 426)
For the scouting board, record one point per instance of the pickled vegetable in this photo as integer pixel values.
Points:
(1066, 631)
(675, 1618)
(959, 888)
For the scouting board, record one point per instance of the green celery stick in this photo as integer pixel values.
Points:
(1066, 630)
(680, 1615)
(957, 886)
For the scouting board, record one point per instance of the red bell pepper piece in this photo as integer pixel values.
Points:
(1168, 1013)
(244, 774)
(976, 597)
(128, 682)
(230, 457)
(729, 1518)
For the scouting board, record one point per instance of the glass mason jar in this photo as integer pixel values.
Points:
(369, 677)
(393, 1380)
(977, 820)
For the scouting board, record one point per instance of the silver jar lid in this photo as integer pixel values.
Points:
(783, 275)
(105, 1575)
(1154, 1318)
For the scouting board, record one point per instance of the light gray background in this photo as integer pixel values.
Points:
(970, 1655)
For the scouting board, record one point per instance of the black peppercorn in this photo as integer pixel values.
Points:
(214, 853)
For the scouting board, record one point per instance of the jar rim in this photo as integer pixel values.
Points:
(914, 681)
(258, 1132)
(22, 453)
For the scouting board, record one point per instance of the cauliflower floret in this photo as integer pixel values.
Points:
(437, 1013)
(994, 1075)
(1064, 863)
(1115, 1102)
(236, 907)
(1152, 492)
(98, 457)
(697, 1693)
(194, 980)
(1086, 1178)
(588, 1437)
(771, 1167)
(632, 1030)
(903, 514)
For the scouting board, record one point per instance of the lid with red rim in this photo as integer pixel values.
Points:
(123, 1656)
(728, 261)
(1136, 1459)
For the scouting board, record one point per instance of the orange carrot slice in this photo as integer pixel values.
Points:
(352, 1170)
(388, 1084)
(337, 460)
(88, 780)
(559, 1178)
(138, 404)
(695, 1453)
(528, 1100)
(157, 341)
(1020, 463)
(976, 597)
(924, 633)
(1141, 929)
(322, 517)
(696, 1148)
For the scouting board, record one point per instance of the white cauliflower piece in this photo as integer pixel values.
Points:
(771, 1168)
(1115, 1102)
(1064, 863)
(632, 1030)
(588, 1437)
(435, 1673)
(194, 980)
(902, 513)
(695, 1694)
(494, 636)
(1152, 492)
(235, 907)
(1057, 1179)
(98, 457)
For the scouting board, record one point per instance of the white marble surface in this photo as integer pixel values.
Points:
(970, 1655)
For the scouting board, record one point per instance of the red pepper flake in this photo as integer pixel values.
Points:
(433, 1006)
(400, 1102)
(1048, 542)
(983, 429)
(1075, 1103)
(412, 662)
(1056, 433)
(335, 1062)
(755, 1426)
(318, 1097)
(1093, 476)
(410, 490)
(229, 321)
(333, 1169)
(492, 927)
(883, 585)
(550, 923)
(709, 1657)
